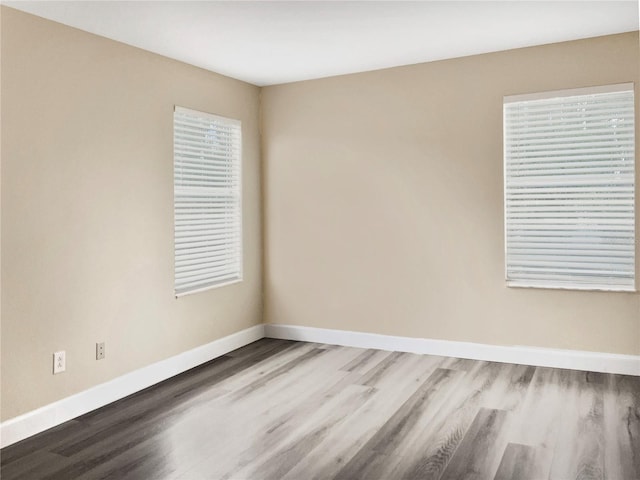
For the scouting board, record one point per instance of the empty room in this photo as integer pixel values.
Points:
(314, 240)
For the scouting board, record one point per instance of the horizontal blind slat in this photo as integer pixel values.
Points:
(578, 131)
(535, 159)
(193, 144)
(562, 253)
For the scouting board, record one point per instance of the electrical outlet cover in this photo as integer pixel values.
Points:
(59, 362)
(100, 351)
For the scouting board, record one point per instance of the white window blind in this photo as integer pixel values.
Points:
(207, 200)
(569, 189)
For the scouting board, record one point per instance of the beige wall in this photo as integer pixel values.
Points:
(87, 210)
(384, 202)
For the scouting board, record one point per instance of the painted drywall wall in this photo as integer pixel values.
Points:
(87, 210)
(383, 194)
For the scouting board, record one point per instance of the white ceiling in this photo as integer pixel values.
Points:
(270, 42)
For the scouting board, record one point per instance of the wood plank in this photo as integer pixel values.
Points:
(366, 361)
(398, 434)
(34, 465)
(579, 451)
(510, 387)
(348, 438)
(622, 427)
(538, 420)
(42, 441)
(463, 364)
(259, 345)
(311, 431)
(516, 463)
(474, 457)
(450, 424)
(273, 416)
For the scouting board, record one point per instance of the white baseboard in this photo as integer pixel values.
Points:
(43, 418)
(540, 357)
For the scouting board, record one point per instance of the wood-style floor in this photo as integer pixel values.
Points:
(290, 410)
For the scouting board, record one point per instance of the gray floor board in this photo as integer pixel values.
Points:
(516, 463)
(475, 456)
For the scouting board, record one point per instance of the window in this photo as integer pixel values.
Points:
(207, 206)
(569, 189)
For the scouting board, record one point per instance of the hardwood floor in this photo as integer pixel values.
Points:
(299, 411)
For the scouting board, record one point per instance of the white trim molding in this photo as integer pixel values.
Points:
(56, 413)
(539, 357)
(43, 418)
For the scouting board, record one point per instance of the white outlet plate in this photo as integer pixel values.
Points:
(100, 351)
(59, 362)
